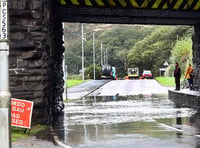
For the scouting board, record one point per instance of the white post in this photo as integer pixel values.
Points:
(83, 71)
(5, 101)
(94, 56)
(106, 56)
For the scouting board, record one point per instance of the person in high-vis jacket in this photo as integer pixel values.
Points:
(189, 76)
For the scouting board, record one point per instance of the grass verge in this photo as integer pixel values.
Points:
(166, 81)
(71, 83)
(18, 133)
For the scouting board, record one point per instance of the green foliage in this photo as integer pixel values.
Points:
(182, 52)
(146, 47)
(90, 71)
(74, 77)
(117, 39)
(151, 52)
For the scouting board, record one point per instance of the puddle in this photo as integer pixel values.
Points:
(115, 121)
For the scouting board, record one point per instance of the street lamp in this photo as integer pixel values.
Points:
(94, 55)
(5, 102)
(83, 39)
(101, 53)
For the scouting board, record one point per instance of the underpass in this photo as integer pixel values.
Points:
(128, 113)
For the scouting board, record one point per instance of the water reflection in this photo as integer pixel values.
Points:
(94, 120)
(179, 124)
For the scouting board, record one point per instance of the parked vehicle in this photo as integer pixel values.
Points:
(133, 73)
(108, 72)
(147, 74)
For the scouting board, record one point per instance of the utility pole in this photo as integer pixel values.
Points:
(94, 55)
(106, 55)
(101, 54)
(5, 101)
(83, 71)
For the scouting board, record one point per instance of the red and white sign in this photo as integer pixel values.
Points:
(21, 113)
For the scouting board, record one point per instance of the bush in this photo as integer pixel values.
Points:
(90, 71)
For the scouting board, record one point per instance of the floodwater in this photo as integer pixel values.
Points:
(141, 121)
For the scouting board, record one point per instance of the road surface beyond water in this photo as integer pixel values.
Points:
(129, 114)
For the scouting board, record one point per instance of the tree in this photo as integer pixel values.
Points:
(182, 52)
(151, 52)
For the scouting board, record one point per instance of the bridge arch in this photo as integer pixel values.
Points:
(36, 44)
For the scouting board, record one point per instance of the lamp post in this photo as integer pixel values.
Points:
(5, 102)
(83, 71)
(101, 53)
(94, 55)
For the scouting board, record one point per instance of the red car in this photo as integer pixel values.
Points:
(147, 74)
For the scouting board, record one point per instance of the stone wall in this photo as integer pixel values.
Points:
(196, 54)
(185, 99)
(36, 56)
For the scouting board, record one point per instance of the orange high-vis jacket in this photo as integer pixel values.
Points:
(189, 71)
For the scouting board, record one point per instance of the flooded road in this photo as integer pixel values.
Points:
(142, 121)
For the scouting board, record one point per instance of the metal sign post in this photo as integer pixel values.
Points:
(5, 112)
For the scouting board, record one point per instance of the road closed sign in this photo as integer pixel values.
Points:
(21, 113)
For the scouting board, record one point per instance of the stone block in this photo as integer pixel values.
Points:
(33, 86)
(23, 95)
(16, 78)
(37, 15)
(28, 72)
(22, 63)
(37, 5)
(36, 63)
(31, 55)
(39, 36)
(12, 61)
(31, 22)
(18, 4)
(17, 36)
(22, 44)
(16, 86)
(17, 28)
(38, 102)
(39, 94)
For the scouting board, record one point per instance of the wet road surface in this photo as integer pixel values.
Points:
(85, 88)
(131, 87)
(143, 118)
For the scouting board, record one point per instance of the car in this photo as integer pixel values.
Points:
(133, 73)
(108, 72)
(147, 74)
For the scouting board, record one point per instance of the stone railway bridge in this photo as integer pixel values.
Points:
(36, 45)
